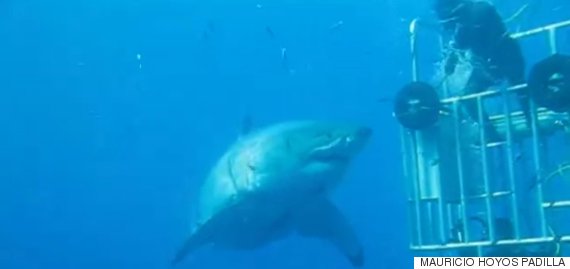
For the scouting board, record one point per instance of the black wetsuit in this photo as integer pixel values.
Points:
(476, 26)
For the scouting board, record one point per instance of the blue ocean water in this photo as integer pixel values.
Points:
(112, 113)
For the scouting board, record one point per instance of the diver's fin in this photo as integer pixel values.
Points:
(323, 220)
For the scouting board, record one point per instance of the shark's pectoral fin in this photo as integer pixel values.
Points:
(188, 247)
(198, 239)
(323, 220)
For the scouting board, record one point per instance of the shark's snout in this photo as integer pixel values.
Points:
(359, 138)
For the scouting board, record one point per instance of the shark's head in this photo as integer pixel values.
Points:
(328, 142)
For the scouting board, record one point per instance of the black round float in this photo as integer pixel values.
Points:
(417, 106)
(549, 83)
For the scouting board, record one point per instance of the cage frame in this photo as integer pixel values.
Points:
(411, 161)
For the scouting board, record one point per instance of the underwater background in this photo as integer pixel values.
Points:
(113, 112)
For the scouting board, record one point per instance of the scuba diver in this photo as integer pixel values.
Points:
(476, 27)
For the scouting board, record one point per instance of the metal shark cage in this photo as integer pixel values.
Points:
(476, 196)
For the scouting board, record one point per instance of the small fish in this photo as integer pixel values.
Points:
(518, 157)
(205, 35)
(535, 181)
(517, 13)
(284, 59)
(445, 111)
(540, 178)
(139, 57)
(435, 162)
(269, 32)
(336, 25)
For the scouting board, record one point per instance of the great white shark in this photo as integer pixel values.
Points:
(276, 181)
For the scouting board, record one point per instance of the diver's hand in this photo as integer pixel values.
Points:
(451, 63)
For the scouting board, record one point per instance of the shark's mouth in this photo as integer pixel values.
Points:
(330, 146)
(333, 158)
(330, 151)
